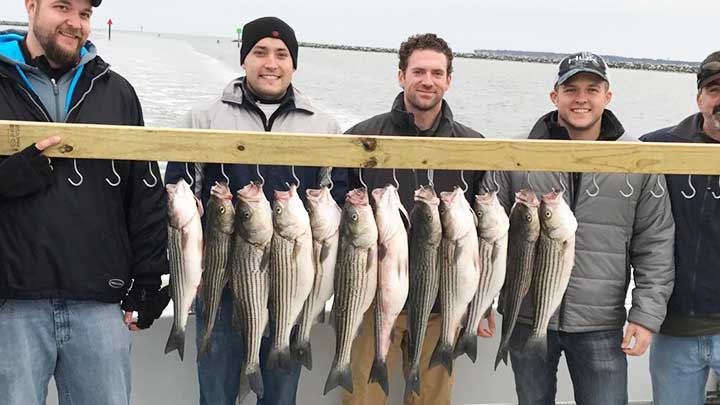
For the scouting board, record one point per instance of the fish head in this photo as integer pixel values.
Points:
(253, 215)
(289, 214)
(425, 216)
(456, 215)
(524, 215)
(182, 204)
(324, 212)
(557, 220)
(221, 212)
(358, 222)
(390, 215)
(493, 223)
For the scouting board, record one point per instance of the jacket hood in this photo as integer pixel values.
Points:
(547, 127)
(235, 93)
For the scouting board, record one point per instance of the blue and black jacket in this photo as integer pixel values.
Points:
(697, 228)
(61, 241)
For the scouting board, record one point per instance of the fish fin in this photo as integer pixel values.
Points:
(371, 263)
(405, 218)
(379, 374)
(200, 209)
(324, 252)
(301, 351)
(176, 341)
(382, 251)
(321, 318)
(339, 377)
(466, 344)
(413, 383)
(254, 378)
(443, 355)
(536, 344)
(265, 261)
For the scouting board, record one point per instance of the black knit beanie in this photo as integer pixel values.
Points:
(265, 27)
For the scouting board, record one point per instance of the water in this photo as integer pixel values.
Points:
(500, 99)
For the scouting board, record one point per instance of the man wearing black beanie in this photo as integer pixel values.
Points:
(263, 100)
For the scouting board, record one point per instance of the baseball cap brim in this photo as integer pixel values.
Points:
(572, 72)
(709, 80)
(96, 3)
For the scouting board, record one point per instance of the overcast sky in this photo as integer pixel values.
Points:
(669, 29)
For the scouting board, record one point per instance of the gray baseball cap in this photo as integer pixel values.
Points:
(581, 62)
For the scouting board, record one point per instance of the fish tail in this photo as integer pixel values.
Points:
(379, 374)
(279, 358)
(176, 341)
(413, 382)
(301, 351)
(537, 343)
(443, 355)
(502, 355)
(339, 377)
(467, 344)
(255, 380)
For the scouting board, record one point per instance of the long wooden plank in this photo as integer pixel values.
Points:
(136, 143)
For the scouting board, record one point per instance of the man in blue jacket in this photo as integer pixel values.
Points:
(263, 100)
(688, 344)
(74, 235)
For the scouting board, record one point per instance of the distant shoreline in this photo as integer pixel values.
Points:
(499, 55)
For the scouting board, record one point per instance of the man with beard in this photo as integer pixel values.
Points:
(689, 340)
(263, 100)
(71, 246)
(425, 72)
(624, 231)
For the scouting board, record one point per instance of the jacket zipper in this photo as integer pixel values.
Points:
(92, 84)
(56, 91)
(697, 247)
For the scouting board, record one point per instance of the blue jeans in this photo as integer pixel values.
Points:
(219, 369)
(679, 368)
(84, 345)
(597, 365)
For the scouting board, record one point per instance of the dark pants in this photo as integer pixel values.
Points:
(597, 365)
(220, 367)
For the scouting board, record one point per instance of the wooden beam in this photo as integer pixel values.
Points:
(184, 145)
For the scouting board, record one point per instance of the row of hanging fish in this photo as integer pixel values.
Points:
(284, 262)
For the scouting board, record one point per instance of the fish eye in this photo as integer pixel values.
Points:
(247, 215)
(278, 210)
(354, 217)
(479, 213)
(548, 214)
(222, 210)
(429, 217)
(528, 218)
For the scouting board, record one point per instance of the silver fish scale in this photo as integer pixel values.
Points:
(549, 283)
(283, 280)
(424, 285)
(351, 292)
(521, 258)
(486, 272)
(448, 291)
(214, 278)
(250, 285)
(306, 321)
(177, 275)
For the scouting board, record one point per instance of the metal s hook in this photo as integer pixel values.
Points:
(190, 178)
(717, 196)
(562, 184)
(79, 182)
(362, 181)
(494, 179)
(597, 188)
(295, 177)
(692, 195)
(117, 176)
(397, 183)
(465, 185)
(530, 185)
(662, 192)
(155, 180)
(431, 183)
(632, 189)
(260, 176)
(225, 176)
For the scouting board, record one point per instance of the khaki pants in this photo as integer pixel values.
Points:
(435, 384)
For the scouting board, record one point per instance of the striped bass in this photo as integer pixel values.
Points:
(185, 247)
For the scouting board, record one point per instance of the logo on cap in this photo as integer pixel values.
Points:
(276, 34)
